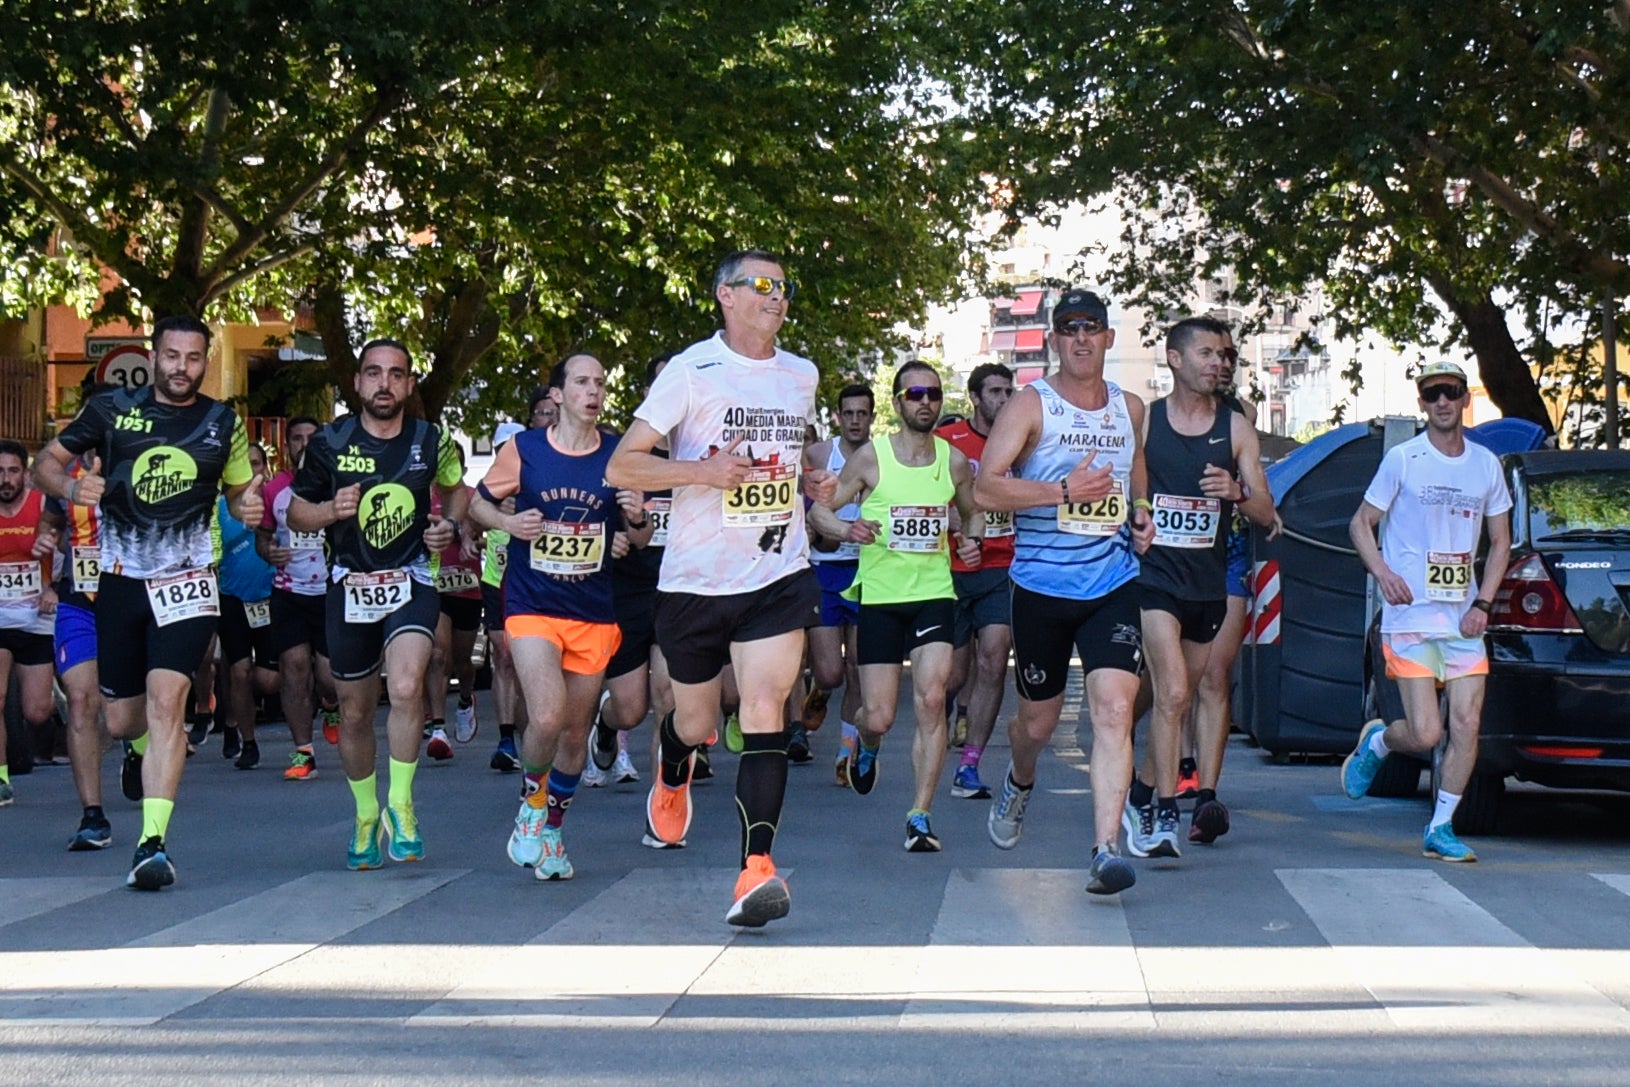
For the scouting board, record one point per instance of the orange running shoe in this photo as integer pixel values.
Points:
(331, 725)
(302, 766)
(761, 895)
(668, 810)
(814, 714)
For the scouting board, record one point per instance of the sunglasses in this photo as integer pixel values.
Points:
(918, 393)
(1433, 393)
(765, 285)
(1089, 325)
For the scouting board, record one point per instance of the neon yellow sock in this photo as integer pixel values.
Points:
(401, 790)
(367, 793)
(5, 773)
(155, 817)
(139, 744)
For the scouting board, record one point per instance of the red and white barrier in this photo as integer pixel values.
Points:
(1263, 628)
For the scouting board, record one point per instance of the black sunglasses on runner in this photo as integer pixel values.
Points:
(1433, 393)
(918, 393)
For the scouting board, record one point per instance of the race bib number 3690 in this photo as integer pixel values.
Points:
(191, 595)
(1181, 521)
(765, 497)
(371, 597)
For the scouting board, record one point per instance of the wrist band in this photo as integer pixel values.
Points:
(1483, 606)
(1142, 504)
(1064, 486)
(73, 492)
(641, 526)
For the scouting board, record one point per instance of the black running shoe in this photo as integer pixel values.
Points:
(249, 757)
(1209, 822)
(130, 775)
(702, 769)
(150, 868)
(231, 744)
(920, 837)
(95, 832)
(798, 744)
(602, 743)
(200, 728)
(863, 769)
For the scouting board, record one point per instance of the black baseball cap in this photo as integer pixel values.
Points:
(1078, 303)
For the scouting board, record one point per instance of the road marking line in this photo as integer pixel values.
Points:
(25, 898)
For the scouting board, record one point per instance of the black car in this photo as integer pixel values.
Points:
(1557, 707)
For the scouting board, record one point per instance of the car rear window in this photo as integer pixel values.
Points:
(1579, 502)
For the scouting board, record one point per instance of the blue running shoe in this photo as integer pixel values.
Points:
(506, 760)
(1441, 843)
(965, 784)
(920, 836)
(1358, 770)
(1109, 874)
(405, 843)
(863, 769)
(367, 848)
(95, 832)
(150, 869)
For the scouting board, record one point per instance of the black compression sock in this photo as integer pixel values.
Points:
(506, 732)
(1207, 796)
(1142, 795)
(1168, 804)
(674, 756)
(761, 784)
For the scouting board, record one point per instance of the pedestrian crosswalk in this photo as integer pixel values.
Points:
(1401, 950)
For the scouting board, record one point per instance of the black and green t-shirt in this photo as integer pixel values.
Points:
(396, 475)
(164, 465)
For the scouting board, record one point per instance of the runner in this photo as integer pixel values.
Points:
(832, 646)
(28, 601)
(245, 628)
(735, 576)
(907, 483)
(365, 480)
(75, 646)
(983, 635)
(1202, 460)
(1064, 456)
(558, 603)
(299, 611)
(637, 677)
(458, 585)
(159, 457)
(506, 758)
(1436, 491)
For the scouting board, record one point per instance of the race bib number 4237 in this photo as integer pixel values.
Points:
(371, 597)
(765, 497)
(191, 595)
(568, 548)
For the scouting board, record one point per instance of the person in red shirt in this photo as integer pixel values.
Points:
(28, 604)
(984, 620)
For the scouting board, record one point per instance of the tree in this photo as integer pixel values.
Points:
(1474, 152)
(493, 183)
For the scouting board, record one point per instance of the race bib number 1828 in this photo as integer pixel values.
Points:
(191, 595)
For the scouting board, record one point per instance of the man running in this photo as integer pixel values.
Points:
(506, 696)
(160, 457)
(458, 587)
(247, 652)
(1064, 455)
(832, 648)
(299, 610)
(365, 480)
(983, 636)
(735, 581)
(1203, 460)
(28, 601)
(906, 484)
(1436, 491)
(558, 606)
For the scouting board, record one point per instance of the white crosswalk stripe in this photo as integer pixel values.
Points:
(1010, 949)
(1438, 961)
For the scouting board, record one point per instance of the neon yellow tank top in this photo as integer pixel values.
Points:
(911, 558)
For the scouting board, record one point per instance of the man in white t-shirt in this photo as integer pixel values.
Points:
(1436, 491)
(735, 586)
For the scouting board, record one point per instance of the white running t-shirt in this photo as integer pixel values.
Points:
(1435, 505)
(724, 542)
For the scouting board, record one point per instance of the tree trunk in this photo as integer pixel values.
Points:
(1506, 374)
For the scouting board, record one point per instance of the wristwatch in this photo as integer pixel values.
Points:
(1483, 606)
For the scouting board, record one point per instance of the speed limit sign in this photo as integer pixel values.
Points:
(127, 367)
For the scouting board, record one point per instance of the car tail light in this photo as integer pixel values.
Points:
(1561, 751)
(1528, 599)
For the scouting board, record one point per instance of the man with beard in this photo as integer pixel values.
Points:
(159, 457)
(366, 482)
(28, 602)
(736, 586)
(906, 484)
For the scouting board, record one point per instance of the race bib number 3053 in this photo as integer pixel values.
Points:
(916, 529)
(19, 580)
(765, 497)
(568, 548)
(371, 597)
(1181, 521)
(191, 595)
(1448, 575)
(1101, 518)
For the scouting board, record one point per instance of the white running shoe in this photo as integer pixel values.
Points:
(593, 776)
(464, 721)
(623, 769)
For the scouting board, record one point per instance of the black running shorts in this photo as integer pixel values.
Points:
(636, 618)
(240, 639)
(355, 649)
(1104, 631)
(887, 633)
(130, 643)
(1198, 620)
(299, 620)
(696, 631)
(464, 611)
